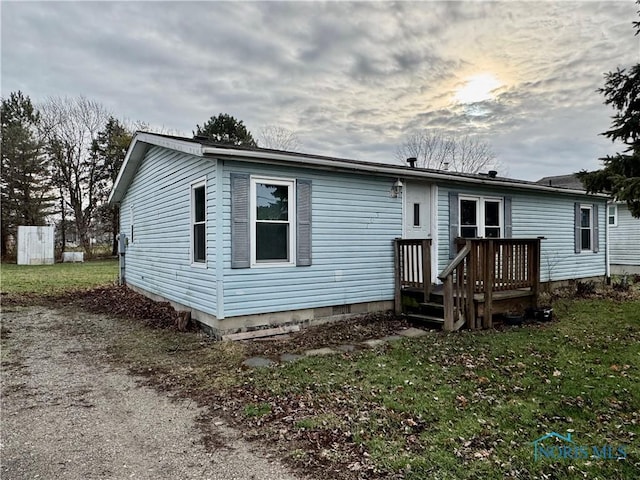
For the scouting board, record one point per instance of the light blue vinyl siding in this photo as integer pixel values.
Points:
(354, 222)
(625, 238)
(533, 215)
(159, 258)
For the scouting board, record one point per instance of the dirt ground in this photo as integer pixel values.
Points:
(68, 413)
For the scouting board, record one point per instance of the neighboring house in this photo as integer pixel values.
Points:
(248, 239)
(623, 229)
(624, 239)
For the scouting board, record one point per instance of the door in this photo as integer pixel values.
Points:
(416, 223)
(417, 211)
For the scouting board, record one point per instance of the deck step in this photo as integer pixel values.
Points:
(425, 318)
(432, 305)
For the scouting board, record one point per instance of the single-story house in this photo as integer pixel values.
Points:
(249, 238)
(622, 229)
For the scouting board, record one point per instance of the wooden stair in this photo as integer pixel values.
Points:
(429, 311)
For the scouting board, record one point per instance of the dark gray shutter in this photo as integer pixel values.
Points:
(453, 223)
(596, 229)
(303, 223)
(240, 251)
(508, 223)
(576, 226)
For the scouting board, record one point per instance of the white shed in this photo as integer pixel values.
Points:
(35, 245)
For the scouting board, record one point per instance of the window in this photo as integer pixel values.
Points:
(492, 219)
(199, 223)
(272, 221)
(585, 227)
(468, 218)
(416, 214)
(587, 231)
(613, 215)
(480, 217)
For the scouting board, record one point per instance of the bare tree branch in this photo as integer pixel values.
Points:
(437, 151)
(69, 126)
(278, 138)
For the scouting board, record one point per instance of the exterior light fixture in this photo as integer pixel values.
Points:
(396, 189)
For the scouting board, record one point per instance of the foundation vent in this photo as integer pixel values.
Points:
(341, 309)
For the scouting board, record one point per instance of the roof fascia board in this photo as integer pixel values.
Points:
(191, 148)
(136, 152)
(382, 169)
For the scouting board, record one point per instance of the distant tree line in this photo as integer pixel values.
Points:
(60, 160)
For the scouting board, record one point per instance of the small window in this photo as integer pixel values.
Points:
(613, 215)
(416, 214)
(199, 222)
(273, 221)
(585, 228)
(491, 219)
(469, 218)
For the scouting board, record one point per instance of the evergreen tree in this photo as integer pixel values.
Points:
(109, 149)
(225, 129)
(25, 196)
(621, 173)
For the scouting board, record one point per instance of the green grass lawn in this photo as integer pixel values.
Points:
(460, 405)
(57, 278)
(469, 405)
(464, 405)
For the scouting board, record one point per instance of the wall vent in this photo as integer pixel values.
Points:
(341, 309)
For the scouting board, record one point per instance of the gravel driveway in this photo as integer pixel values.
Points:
(68, 414)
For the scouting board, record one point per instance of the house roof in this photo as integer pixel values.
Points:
(205, 148)
(563, 181)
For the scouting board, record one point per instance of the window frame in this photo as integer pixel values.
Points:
(614, 216)
(200, 183)
(290, 183)
(588, 207)
(481, 226)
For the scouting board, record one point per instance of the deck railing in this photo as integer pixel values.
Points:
(413, 268)
(484, 266)
(458, 292)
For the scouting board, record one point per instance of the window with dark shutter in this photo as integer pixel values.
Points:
(271, 221)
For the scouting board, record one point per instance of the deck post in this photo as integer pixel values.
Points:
(489, 274)
(535, 269)
(470, 287)
(448, 304)
(397, 272)
(426, 268)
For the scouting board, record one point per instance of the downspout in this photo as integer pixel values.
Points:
(122, 247)
(606, 240)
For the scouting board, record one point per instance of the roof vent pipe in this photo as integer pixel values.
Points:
(493, 173)
(412, 161)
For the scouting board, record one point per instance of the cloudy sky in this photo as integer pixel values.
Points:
(351, 79)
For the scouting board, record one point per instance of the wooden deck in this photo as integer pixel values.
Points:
(487, 277)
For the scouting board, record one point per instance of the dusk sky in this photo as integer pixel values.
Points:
(351, 79)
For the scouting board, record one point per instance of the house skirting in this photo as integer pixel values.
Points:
(248, 323)
(625, 269)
